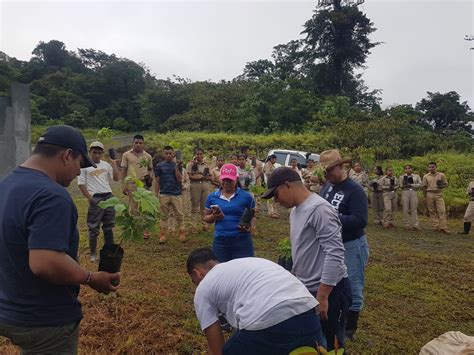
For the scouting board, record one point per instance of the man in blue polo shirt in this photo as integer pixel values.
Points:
(168, 179)
(39, 270)
(225, 207)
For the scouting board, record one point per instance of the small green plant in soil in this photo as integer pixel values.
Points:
(285, 259)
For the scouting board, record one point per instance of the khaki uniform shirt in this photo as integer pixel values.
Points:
(378, 181)
(469, 190)
(257, 171)
(137, 165)
(414, 186)
(216, 174)
(200, 169)
(361, 178)
(385, 183)
(211, 161)
(268, 168)
(430, 182)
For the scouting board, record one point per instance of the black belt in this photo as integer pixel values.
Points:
(105, 194)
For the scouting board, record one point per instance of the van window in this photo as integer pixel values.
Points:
(300, 159)
(281, 158)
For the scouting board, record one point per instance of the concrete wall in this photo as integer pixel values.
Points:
(15, 128)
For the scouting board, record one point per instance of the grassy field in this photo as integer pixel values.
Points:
(419, 285)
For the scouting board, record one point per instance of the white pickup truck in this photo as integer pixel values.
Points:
(284, 157)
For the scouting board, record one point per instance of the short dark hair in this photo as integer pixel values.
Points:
(244, 148)
(293, 159)
(270, 157)
(388, 167)
(234, 155)
(432, 163)
(138, 136)
(198, 149)
(199, 256)
(241, 156)
(379, 169)
(168, 147)
(408, 166)
(51, 150)
(220, 157)
(310, 159)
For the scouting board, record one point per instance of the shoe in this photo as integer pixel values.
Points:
(467, 228)
(162, 239)
(445, 231)
(93, 257)
(274, 215)
(351, 324)
(182, 236)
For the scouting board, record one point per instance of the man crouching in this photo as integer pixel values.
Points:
(271, 310)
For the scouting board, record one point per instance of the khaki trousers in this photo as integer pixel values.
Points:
(390, 206)
(199, 192)
(437, 209)
(186, 200)
(377, 206)
(469, 215)
(174, 204)
(410, 206)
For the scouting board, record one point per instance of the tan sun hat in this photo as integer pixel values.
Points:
(330, 158)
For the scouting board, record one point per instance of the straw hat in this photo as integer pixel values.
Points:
(330, 158)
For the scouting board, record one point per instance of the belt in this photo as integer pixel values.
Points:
(198, 182)
(104, 194)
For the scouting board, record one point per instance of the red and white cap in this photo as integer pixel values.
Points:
(229, 171)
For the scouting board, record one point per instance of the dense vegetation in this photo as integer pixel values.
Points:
(311, 85)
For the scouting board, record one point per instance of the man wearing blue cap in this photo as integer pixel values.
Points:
(39, 270)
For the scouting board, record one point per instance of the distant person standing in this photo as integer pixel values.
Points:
(433, 183)
(200, 176)
(245, 174)
(210, 159)
(410, 183)
(234, 159)
(168, 178)
(138, 164)
(216, 171)
(377, 195)
(94, 185)
(469, 214)
(389, 185)
(294, 166)
(268, 169)
(360, 177)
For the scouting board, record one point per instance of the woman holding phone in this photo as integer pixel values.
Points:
(232, 211)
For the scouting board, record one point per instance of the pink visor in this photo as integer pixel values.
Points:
(228, 171)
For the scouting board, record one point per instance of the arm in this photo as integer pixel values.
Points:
(59, 268)
(116, 170)
(416, 182)
(323, 298)
(178, 174)
(85, 192)
(211, 216)
(157, 185)
(358, 209)
(215, 338)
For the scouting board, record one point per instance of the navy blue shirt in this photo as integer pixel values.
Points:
(35, 213)
(350, 201)
(168, 183)
(233, 210)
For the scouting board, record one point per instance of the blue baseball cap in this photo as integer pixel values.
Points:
(67, 137)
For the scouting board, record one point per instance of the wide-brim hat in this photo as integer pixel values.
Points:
(331, 158)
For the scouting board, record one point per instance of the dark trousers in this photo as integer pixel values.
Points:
(339, 301)
(229, 248)
(60, 340)
(301, 330)
(97, 216)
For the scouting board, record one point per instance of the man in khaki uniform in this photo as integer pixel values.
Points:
(216, 173)
(268, 169)
(469, 215)
(389, 185)
(210, 159)
(359, 177)
(410, 183)
(434, 182)
(377, 195)
(137, 163)
(311, 181)
(200, 176)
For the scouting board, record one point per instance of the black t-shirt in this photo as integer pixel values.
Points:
(35, 213)
(168, 183)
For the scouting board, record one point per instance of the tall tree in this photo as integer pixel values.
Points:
(445, 113)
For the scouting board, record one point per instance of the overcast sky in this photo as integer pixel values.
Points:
(424, 47)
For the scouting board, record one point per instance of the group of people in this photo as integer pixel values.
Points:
(271, 310)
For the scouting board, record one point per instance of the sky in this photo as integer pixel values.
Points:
(423, 41)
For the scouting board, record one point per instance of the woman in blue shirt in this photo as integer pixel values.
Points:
(225, 207)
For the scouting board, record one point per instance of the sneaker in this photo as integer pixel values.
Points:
(93, 257)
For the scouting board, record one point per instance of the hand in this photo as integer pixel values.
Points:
(323, 306)
(244, 229)
(102, 282)
(218, 215)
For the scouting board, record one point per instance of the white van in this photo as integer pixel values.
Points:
(284, 157)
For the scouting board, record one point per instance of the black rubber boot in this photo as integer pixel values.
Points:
(351, 324)
(467, 228)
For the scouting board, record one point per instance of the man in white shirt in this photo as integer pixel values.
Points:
(94, 185)
(271, 309)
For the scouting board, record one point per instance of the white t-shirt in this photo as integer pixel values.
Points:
(96, 180)
(253, 294)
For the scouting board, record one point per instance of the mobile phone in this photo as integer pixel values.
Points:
(112, 154)
(216, 208)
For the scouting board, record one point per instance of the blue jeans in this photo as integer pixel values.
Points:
(356, 257)
(229, 248)
(301, 330)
